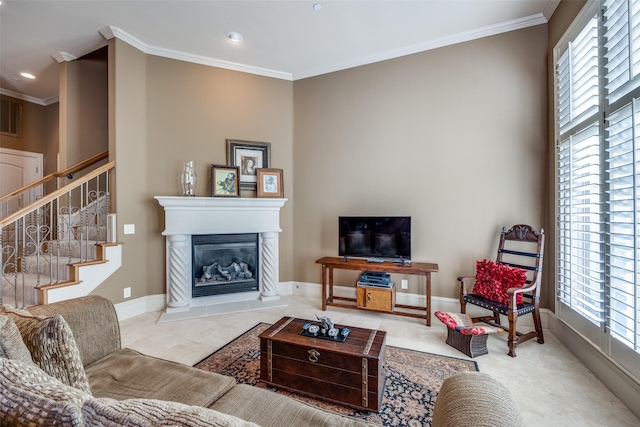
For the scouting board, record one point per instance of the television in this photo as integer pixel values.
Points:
(376, 237)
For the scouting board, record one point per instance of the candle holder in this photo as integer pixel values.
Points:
(188, 179)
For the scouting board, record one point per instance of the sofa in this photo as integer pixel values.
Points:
(62, 364)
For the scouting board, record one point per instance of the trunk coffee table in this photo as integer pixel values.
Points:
(351, 373)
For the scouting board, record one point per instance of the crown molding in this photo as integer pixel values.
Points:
(44, 102)
(550, 8)
(64, 57)
(504, 27)
(115, 32)
(516, 24)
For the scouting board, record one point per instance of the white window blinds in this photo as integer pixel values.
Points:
(598, 178)
(580, 266)
(622, 76)
(580, 225)
(577, 71)
(622, 46)
(623, 252)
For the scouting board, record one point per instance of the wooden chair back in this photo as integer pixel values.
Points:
(522, 246)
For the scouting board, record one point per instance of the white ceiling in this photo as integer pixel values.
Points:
(282, 39)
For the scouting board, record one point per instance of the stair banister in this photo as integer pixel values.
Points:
(60, 174)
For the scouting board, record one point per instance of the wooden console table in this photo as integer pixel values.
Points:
(415, 268)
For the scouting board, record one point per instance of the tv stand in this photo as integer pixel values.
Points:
(415, 268)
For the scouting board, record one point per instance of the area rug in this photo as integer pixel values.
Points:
(413, 379)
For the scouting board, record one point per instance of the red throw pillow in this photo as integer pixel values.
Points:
(493, 280)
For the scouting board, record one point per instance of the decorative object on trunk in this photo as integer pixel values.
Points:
(188, 179)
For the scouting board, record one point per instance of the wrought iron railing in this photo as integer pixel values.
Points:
(39, 242)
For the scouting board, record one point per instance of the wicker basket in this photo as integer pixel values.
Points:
(471, 345)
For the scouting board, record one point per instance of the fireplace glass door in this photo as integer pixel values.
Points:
(224, 264)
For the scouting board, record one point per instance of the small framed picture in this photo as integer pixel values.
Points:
(270, 183)
(224, 181)
(248, 156)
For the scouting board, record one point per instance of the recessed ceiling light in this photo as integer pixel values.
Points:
(317, 7)
(233, 36)
(28, 76)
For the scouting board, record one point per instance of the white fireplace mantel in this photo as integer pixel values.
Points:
(187, 216)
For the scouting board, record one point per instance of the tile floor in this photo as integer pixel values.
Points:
(551, 386)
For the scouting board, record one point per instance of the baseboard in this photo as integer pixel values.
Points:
(138, 306)
(158, 302)
(314, 290)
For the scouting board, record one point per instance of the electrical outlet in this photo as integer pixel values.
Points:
(405, 284)
(129, 229)
(127, 292)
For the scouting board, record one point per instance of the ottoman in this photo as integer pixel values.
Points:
(464, 336)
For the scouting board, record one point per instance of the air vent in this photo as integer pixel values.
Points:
(10, 113)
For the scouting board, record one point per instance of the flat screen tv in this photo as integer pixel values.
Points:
(385, 237)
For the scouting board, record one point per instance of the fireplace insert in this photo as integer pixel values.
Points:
(224, 264)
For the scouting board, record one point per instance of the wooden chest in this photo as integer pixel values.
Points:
(379, 299)
(351, 373)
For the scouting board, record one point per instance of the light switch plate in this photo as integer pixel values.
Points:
(129, 229)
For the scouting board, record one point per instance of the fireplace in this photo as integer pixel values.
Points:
(186, 218)
(224, 264)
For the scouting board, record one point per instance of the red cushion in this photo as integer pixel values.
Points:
(493, 280)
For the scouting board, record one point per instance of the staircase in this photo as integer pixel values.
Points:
(62, 245)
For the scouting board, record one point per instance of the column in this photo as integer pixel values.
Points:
(269, 266)
(179, 286)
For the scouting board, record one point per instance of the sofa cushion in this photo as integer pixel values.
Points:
(11, 344)
(83, 315)
(127, 374)
(257, 405)
(52, 347)
(148, 412)
(30, 397)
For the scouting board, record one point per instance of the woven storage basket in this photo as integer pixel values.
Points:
(471, 345)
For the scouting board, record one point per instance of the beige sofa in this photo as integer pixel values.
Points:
(62, 364)
(84, 377)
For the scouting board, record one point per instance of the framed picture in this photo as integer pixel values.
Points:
(248, 156)
(224, 181)
(270, 183)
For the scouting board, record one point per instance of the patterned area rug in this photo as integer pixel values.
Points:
(413, 379)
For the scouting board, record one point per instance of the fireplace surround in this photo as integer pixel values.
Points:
(189, 216)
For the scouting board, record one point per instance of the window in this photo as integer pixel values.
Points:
(10, 117)
(598, 178)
